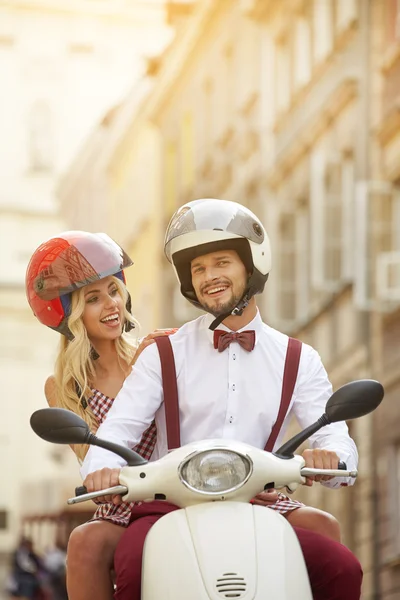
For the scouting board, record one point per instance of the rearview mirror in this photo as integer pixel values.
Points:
(352, 400)
(61, 426)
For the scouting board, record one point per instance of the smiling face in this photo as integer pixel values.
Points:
(103, 315)
(219, 280)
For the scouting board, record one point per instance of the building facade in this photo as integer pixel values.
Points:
(382, 241)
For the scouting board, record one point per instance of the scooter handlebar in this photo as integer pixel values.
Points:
(83, 497)
(341, 471)
(309, 472)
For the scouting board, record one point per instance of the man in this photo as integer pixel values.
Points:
(221, 254)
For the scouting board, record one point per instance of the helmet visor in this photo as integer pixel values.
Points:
(74, 260)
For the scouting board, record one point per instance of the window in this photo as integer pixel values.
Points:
(187, 152)
(206, 134)
(383, 222)
(332, 190)
(346, 13)
(304, 292)
(377, 244)
(246, 62)
(40, 137)
(323, 30)
(302, 52)
(170, 179)
(295, 295)
(386, 232)
(333, 222)
(227, 81)
(287, 268)
(282, 75)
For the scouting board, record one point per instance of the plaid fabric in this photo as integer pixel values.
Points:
(284, 504)
(120, 515)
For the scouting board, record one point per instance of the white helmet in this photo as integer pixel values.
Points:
(209, 225)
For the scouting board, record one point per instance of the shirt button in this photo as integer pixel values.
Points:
(230, 419)
(234, 357)
(233, 387)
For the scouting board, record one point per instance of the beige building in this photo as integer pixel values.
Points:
(292, 108)
(382, 241)
(320, 169)
(63, 63)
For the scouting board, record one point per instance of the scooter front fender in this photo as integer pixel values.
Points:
(221, 551)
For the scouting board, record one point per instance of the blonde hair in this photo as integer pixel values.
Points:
(75, 369)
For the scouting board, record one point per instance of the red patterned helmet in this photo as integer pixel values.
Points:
(66, 263)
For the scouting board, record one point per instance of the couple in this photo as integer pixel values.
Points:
(228, 387)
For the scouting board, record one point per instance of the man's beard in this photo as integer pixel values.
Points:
(222, 308)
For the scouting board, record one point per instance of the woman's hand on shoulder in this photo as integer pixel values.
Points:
(50, 391)
(149, 339)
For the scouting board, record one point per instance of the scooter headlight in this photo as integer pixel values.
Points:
(215, 471)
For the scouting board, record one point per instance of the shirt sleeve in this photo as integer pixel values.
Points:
(312, 393)
(132, 411)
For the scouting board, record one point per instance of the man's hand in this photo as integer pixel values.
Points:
(320, 459)
(102, 479)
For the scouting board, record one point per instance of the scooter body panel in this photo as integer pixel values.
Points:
(223, 551)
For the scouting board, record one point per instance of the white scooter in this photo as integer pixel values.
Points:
(217, 546)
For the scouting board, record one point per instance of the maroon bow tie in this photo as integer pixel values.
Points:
(222, 339)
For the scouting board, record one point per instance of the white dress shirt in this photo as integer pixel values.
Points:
(233, 394)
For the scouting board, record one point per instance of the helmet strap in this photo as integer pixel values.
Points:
(236, 312)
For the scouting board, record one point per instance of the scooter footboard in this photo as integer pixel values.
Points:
(223, 550)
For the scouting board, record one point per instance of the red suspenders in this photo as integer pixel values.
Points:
(168, 373)
(289, 381)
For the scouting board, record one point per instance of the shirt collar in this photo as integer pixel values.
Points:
(255, 324)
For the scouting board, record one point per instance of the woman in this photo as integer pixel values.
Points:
(76, 285)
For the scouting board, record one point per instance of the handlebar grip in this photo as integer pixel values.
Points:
(79, 491)
(342, 466)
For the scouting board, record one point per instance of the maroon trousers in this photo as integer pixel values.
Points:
(334, 572)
